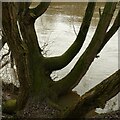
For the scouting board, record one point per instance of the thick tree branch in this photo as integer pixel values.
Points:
(40, 9)
(26, 29)
(18, 49)
(98, 96)
(111, 32)
(29, 36)
(55, 63)
(23, 7)
(10, 25)
(84, 62)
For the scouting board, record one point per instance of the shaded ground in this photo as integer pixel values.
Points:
(108, 116)
(37, 110)
(40, 110)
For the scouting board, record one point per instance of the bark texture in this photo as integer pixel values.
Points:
(97, 96)
(34, 69)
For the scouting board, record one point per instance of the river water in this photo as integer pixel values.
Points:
(56, 31)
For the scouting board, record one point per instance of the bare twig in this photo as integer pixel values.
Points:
(74, 30)
(11, 60)
(5, 55)
(40, 9)
(100, 13)
(3, 65)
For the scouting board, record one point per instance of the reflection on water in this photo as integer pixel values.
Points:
(57, 28)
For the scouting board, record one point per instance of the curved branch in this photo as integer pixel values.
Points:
(111, 32)
(18, 49)
(23, 7)
(26, 29)
(55, 63)
(84, 62)
(98, 96)
(40, 9)
(9, 24)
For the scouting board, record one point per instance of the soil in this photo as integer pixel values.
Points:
(108, 116)
(41, 110)
(36, 109)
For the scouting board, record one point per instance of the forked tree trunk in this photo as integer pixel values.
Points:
(34, 70)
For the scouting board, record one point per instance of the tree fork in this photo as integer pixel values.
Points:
(73, 78)
(111, 32)
(56, 63)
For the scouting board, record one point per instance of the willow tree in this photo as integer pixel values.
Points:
(34, 69)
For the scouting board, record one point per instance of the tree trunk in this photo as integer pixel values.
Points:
(97, 96)
(33, 76)
(36, 85)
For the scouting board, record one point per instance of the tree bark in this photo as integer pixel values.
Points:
(56, 63)
(40, 9)
(34, 78)
(111, 31)
(97, 96)
(34, 70)
(73, 78)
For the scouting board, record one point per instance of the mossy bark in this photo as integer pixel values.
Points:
(56, 63)
(97, 96)
(34, 70)
(81, 67)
